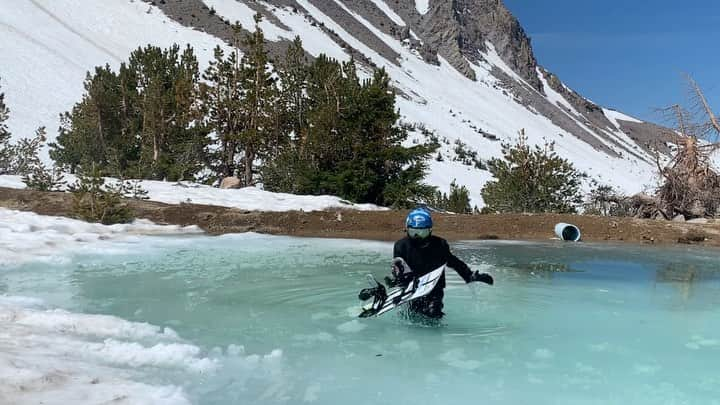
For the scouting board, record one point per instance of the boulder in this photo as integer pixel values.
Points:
(679, 218)
(230, 182)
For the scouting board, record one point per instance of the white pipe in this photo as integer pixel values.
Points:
(567, 232)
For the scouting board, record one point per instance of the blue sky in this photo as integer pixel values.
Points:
(627, 54)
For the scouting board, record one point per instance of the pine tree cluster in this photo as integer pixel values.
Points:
(142, 121)
(299, 127)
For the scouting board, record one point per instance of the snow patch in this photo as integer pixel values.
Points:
(422, 6)
(389, 12)
(236, 11)
(614, 116)
(315, 40)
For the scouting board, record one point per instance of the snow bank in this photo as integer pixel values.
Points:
(54, 357)
(248, 198)
(27, 236)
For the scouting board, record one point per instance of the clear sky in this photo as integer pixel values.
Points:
(627, 54)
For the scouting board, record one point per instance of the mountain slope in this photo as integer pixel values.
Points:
(464, 70)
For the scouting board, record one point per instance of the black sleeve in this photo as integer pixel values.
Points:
(397, 249)
(458, 265)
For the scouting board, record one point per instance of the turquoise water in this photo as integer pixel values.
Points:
(564, 324)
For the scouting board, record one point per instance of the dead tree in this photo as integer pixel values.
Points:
(691, 185)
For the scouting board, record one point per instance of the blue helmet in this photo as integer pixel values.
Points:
(419, 219)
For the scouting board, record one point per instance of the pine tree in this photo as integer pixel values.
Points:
(188, 139)
(223, 96)
(293, 78)
(459, 199)
(4, 115)
(156, 96)
(26, 153)
(94, 201)
(41, 178)
(532, 179)
(323, 146)
(261, 97)
(92, 129)
(5, 148)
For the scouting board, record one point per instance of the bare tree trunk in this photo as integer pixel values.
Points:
(706, 106)
(249, 157)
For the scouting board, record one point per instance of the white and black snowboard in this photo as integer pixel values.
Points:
(386, 300)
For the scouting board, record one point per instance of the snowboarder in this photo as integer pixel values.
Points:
(424, 252)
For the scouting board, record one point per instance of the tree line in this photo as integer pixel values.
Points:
(294, 126)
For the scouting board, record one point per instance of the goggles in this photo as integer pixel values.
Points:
(419, 233)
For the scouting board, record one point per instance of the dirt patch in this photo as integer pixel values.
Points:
(383, 225)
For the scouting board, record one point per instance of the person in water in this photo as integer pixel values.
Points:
(424, 252)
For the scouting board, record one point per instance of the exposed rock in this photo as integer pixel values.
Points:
(196, 14)
(679, 218)
(693, 236)
(460, 29)
(647, 136)
(653, 138)
(532, 98)
(429, 54)
(230, 182)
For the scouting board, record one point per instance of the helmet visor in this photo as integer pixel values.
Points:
(419, 233)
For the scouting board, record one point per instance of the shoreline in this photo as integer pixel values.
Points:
(383, 225)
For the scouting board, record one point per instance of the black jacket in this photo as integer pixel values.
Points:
(424, 256)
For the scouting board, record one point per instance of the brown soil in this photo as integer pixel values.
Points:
(384, 225)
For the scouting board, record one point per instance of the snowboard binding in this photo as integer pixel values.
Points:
(377, 292)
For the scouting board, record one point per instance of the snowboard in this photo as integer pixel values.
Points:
(385, 300)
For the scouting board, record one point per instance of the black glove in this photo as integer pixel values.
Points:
(483, 277)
